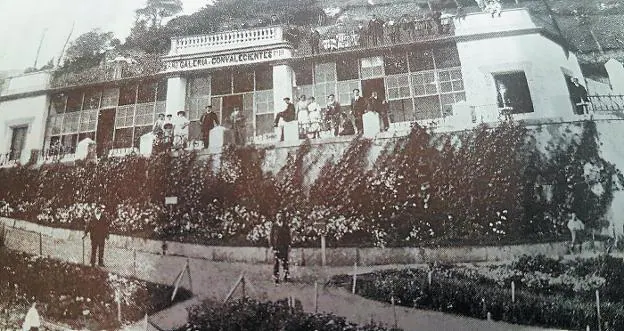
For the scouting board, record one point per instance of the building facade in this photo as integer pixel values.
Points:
(470, 61)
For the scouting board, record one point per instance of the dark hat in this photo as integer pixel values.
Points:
(181, 112)
(169, 115)
(161, 115)
(209, 106)
(287, 98)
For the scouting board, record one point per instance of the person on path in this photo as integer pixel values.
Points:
(280, 244)
(575, 226)
(98, 230)
(208, 121)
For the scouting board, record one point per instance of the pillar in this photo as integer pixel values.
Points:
(176, 95)
(282, 86)
(616, 75)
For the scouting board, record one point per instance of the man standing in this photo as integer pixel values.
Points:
(287, 115)
(333, 111)
(315, 41)
(575, 226)
(158, 129)
(381, 108)
(97, 228)
(358, 107)
(181, 130)
(238, 126)
(208, 121)
(579, 96)
(280, 243)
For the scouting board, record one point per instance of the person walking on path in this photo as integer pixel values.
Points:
(280, 244)
(98, 228)
(208, 121)
(575, 226)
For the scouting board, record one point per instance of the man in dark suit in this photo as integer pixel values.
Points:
(208, 121)
(288, 115)
(579, 96)
(333, 111)
(98, 228)
(358, 107)
(280, 243)
(315, 40)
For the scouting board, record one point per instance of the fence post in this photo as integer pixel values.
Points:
(396, 323)
(354, 278)
(134, 269)
(323, 244)
(243, 287)
(316, 297)
(429, 277)
(40, 244)
(513, 292)
(598, 310)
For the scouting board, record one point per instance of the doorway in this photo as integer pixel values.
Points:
(105, 131)
(370, 85)
(571, 88)
(229, 102)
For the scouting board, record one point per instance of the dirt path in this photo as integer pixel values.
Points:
(215, 279)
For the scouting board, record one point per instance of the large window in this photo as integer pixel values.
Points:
(424, 83)
(347, 69)
(264, 78)
(325, 80)
(372, 67)
(127, 95)
(88, 120)
(398, 87)
(124, 117)
(198, 96)
(74, 101)
(221, 83)
(513, 92)
(345, 91)
(110, 98)
(243, 81)
(92, 100)
(57, 103)
(427, 107)
(147, 92)
(18, 141)
(420, 60)
(144, 114)
(304, 74)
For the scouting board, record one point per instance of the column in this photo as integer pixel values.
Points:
(282, 86)
(176, 95)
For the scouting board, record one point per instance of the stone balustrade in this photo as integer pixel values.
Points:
(226, 40)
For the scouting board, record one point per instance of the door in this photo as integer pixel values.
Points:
(105, 131)
(570, 86)
(18, 141)
(229, 102)
(370, 85)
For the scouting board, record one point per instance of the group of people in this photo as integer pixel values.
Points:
(312, 118)
(171, 133)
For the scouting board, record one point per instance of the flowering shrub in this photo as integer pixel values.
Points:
(265, 316)
(483, 186)
(78, 296)
(561, 294)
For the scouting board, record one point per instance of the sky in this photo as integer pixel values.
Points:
(24, 22)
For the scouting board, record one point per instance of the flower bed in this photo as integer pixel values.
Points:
(74, 295)
(266, 316)
(548, 292)
(488, 186)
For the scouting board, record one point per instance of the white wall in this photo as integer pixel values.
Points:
(30, 111)
(26, 83)
(543, 61)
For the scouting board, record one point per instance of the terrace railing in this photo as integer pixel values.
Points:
(226, 40)
(606, 103)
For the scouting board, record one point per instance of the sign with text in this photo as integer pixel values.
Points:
(171, 200)
(225, 60)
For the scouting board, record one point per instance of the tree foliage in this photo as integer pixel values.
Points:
(156, 10)
(88, 49)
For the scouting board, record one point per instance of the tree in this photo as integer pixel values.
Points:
(155, 10)
(88, 49)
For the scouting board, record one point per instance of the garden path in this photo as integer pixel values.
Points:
(215, 279)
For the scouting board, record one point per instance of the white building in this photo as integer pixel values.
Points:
(457, 74)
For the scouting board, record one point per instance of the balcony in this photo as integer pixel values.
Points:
(226, 41)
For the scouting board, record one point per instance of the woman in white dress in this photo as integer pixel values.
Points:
(314, 117)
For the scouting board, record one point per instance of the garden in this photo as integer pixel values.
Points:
(487, 186)
(546, 292)
(245, 314)
(74, 295)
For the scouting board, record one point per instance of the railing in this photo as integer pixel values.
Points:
(57, 154)
(5, 160)
(226, 40)
(606, 103)
(400, 33)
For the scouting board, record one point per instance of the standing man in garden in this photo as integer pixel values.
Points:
(280, 244)
(238, 126)
(576, 227)
(333, 112)
(97, 228)
(208, 121)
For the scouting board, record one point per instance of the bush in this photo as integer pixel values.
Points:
(247, 314)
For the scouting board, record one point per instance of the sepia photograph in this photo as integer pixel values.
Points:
(312, 165)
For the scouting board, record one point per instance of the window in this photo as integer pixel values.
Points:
(127, 95)
(398, 87)
(88, 120)
(424, 83)
(92, 100)
(110, 98)
(264, 78)
(446, 57)
(420, 60)
(372, 67)
(513, 91)
(71, 123)
(221, 83)
(243, 81)
(304, 75)
(347, 69)
(216, 107)
(196, 107)
(56, 124)
(345, 91)
(147, 92)
(323, 90)
(395, 64)
(325, 72)
(123, 138)
(161, 92)
(124, 117)
(160, 108)
(57, 103)
(427, 108)
(74, 101)
(449, 99)
(264, 102)
(307, 90)
(144, 114)
(401, 110)
(450, 80)
(18, 141)
(199, 86)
